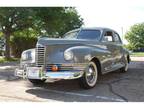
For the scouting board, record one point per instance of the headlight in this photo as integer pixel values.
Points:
(68, 55)
(28, 55)
(24, 56)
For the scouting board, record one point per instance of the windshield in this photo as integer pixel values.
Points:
(89, 34)
(84, 34)
(71, 35)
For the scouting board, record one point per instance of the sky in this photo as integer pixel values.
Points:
(116, 14)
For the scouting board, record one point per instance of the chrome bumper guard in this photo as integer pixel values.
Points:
(36, 73)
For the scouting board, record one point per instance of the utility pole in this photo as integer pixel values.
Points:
(122, 34)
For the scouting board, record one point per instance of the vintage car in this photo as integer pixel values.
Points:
(82, 54)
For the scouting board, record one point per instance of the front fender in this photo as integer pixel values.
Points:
(81, 54)
(84, 54)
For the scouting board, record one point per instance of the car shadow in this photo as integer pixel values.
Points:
(7, 71)
(70, 91)
(9, 76)
(57, 90)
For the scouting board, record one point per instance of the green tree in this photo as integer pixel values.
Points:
(135, 36)
(51, 21)
(14, 19)
(57, 21)
(23, 40)
(72, 21)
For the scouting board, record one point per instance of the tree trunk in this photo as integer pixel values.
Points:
(7, 43)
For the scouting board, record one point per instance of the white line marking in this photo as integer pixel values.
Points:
(2, 80)
(110, 98)
(83, 95)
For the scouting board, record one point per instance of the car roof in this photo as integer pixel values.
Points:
(92, 28)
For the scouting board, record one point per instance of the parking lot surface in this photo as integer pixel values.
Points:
(111, 87)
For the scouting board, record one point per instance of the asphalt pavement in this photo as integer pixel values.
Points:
(111, 87)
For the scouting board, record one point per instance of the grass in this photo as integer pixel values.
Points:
(137, 54)
(4, 60)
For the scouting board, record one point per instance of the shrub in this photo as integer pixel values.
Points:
(21, 43)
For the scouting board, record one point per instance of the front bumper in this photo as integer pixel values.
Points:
(37, 73)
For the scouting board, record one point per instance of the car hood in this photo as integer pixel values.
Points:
(55, 41)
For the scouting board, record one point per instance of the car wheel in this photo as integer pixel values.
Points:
(125, 68)
(89, 78)
(37, 81)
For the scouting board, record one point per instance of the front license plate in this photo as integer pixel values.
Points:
(33, 73)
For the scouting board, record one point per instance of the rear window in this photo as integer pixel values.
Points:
(89, 34)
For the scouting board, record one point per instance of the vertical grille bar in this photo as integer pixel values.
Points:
(40, 51)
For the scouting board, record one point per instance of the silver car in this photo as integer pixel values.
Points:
(82, 54)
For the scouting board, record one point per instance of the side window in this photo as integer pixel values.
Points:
(108, 36)
(117, 38)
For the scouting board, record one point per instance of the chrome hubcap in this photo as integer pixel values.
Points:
(91, 75)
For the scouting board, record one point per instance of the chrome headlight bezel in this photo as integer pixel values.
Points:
(28, 55)
(23, 56)
(68, 55)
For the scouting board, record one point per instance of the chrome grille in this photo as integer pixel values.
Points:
(66, 67)
(40, 51)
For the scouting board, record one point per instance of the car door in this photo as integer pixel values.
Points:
(110, 59)
(119, 49)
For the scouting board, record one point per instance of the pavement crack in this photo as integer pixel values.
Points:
(112, 90)
(115, 93)
(116, 81)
